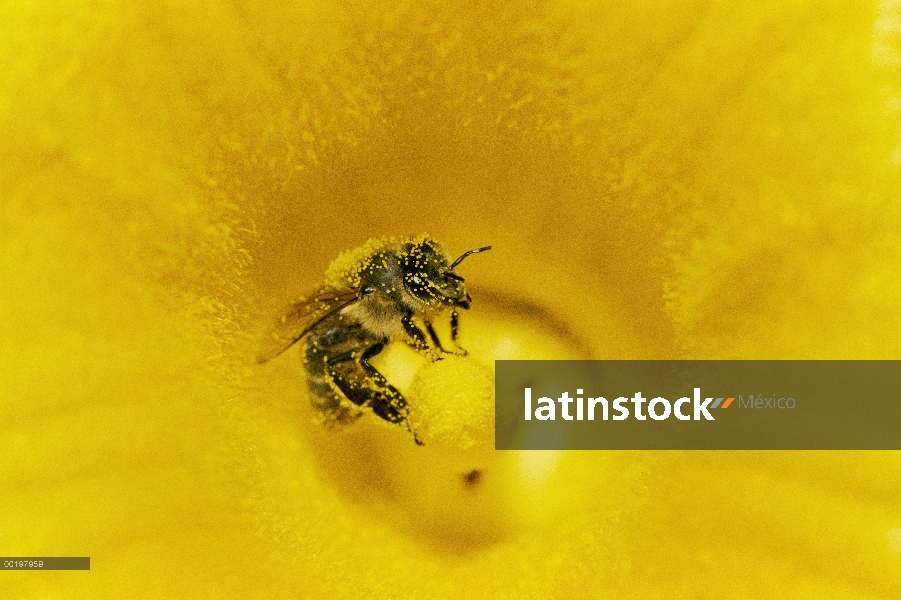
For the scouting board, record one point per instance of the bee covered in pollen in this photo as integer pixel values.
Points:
(371, 295)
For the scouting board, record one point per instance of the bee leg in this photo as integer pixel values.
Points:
(385, 400)
(415, 333)
(434, 336)
(352, 390)
(388, 403)
(371, 371)
(455, 330)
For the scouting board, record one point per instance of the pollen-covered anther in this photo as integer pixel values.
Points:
(452, 403)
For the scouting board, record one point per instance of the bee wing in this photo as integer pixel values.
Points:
(301, 317)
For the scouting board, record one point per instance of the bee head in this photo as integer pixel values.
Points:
(430, 278)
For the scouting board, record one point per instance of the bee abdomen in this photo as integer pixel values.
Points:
(318, 385)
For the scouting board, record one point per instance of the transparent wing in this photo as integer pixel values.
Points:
(301, 317)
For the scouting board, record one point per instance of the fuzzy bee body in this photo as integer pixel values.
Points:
(372, 294)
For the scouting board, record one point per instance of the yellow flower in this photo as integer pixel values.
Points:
(710, 180)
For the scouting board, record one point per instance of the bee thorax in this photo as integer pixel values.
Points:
(379, 319)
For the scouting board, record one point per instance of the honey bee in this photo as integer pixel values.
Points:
(371, 295)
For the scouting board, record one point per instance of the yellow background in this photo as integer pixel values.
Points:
(699, 179)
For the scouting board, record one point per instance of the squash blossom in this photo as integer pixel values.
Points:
(677, 179)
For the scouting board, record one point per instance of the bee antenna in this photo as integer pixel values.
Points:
(465, 254)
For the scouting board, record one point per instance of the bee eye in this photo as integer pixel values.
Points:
(418, 283)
